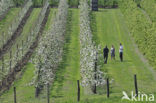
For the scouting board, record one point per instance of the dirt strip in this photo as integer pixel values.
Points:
(6, 47)
(11, 77)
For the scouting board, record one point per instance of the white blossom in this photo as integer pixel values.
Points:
(88, 50)
(50, 50)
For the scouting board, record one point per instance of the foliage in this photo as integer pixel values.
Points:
(71, 3)
(54, 2)
(138, 2)
(150, 7)
(19, 2)
(38, 3)
(108, 3)
(141, 28)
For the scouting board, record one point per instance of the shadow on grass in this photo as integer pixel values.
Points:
(59, 78)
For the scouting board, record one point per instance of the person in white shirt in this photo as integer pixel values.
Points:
(121, 52)
(112, 52)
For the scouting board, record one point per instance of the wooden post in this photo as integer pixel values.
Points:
(17, 52)
(107, 87)
(78, 93)
(136, 86)
(15, 95)
(2, 64)
(3, 38)
(10, 60)
(27, 41)
(95, 74)
(36, 92)
(48, 101)
(22, 47)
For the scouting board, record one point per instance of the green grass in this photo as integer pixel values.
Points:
(6, 22)
(24, 92)
(50, 19)
(65, 86)
(111, 30)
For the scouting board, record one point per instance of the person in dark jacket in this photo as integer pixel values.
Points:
(105, 53)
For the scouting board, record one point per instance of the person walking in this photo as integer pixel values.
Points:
(112, 52)
(105, 53)
(121, 52)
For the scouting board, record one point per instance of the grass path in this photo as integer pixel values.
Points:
(25, 92)
(111, 30)
(8, 19)
(64, 89)
(6, 22)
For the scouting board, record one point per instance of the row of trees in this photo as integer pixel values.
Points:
(141, 28)
(36, 3)
(10, 59)
(21, 47)
(15, 23)
(50, 50)
(89, 64)
(39, 3)
(72, 3)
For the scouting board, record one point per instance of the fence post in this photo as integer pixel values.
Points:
(136, 86)
(2, 63)
(107, 87)
(95, 74)
(10, 60)
(36, 92)
(27, 41)
(17, 51)
(48, 93)
(22, 47)
(78, 93)
(3, 38)
(15, 95)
